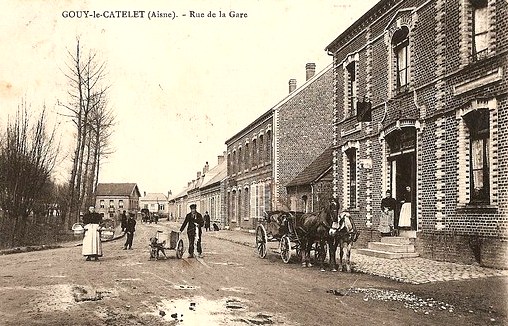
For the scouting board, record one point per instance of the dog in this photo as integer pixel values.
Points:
(156, 248)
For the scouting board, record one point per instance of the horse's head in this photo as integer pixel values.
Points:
(345, 222)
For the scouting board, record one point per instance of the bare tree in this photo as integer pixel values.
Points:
(27, 156)
(87, 102)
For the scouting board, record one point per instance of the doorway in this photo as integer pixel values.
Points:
(402, 161)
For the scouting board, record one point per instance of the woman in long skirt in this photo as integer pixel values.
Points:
(92, 246)
(405, 210)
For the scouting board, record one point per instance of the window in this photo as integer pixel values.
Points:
(234, 163)
(102, 203)
(268, 145)
(478, 123)
(120, 203)
(161, 207)
(400, 43)
(480, 29)
(254, 152)
(111, 203)
(261, 149)
(351, 155)
(351, 87)
(240, 160)
(247, 163)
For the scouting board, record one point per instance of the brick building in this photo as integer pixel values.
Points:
(421, 107)
(313, 186)
(111, 199)
(277, 146)
(213, 191)
(249, 173)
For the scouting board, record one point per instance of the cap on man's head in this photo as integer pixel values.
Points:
(193, 206)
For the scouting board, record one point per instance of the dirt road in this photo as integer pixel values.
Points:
(229, 286)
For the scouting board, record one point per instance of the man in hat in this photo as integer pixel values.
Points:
(194, 222)
(130, 228)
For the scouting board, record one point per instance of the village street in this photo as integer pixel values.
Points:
(230, 285)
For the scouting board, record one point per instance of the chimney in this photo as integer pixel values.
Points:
(144, 193)
(206, 168)
(292, 85)
(220, 159)
(198, 175)
(310, 70)
(189, 183)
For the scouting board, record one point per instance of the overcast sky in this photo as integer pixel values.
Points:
(180, 87)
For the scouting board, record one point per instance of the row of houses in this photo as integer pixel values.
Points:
(413, 101)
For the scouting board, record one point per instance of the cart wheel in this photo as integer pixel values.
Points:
(285, 249)
(179, 249)
(261, 241)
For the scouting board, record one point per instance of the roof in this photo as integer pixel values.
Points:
(220, 172)
(356, 24)
(314, 170)
(117, 189)
(155, 196)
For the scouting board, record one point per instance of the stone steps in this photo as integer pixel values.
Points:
(387, 254)
(391, 248)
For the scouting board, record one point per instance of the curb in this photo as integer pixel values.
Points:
(243, 243)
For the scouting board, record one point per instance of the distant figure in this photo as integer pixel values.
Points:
(124, 221)
(386, 221)
(215, 227)
(130, 228)
(193, 221)
(92, 246)
(405, 210)
(207, 221)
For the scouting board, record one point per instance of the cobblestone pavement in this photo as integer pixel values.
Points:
(408, 270)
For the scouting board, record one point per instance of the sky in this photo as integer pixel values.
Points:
(180, 86)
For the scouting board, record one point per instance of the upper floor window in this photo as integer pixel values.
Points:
(261, 149)
(351, 87)
(111, 203)
(240, 160)
(234, 163)
(254, 153)
(480, 29)
(247, 163)
(400, 43)
(102, 203)
(477, 122)
(120, 203)
(268, 145)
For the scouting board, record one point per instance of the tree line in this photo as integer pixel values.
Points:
(30, 198)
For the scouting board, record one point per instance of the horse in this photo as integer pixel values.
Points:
(343, 233)
(314, 228)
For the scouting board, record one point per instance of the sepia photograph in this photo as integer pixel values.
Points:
(254, 162)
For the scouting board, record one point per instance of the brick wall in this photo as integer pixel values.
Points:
(304, 129)
(443, 88)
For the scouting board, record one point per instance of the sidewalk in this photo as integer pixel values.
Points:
(409, 270)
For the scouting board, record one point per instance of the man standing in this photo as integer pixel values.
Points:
(193, 221)
(130, 228)
(124, 221)
(386, 222)
(207, 221)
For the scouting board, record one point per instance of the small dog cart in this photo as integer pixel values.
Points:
(159, 244)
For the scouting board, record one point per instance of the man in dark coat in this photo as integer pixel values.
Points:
(207, 221)
(124, 221)
(194, 222)
(130, 228)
